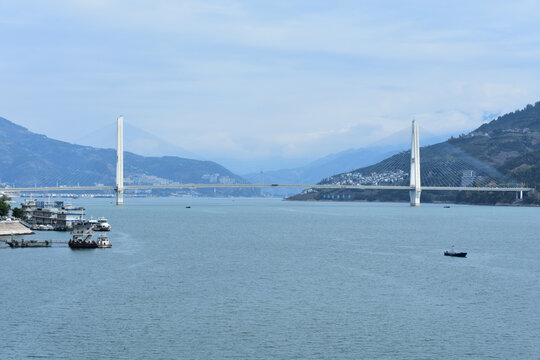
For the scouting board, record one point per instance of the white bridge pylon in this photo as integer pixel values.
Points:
(414, 175)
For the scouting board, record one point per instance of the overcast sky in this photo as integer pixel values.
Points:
(254, 79)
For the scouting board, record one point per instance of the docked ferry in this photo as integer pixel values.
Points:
(51, 215)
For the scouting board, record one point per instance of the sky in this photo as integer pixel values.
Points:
(263, 81)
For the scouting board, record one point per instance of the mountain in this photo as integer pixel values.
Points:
(519, 119)
(29, 159)
(504, 151)
(321, 168)
(347, 160)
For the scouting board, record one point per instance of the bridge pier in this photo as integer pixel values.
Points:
(119, 196)
(416, 190)
(120, 162)
(414, 196)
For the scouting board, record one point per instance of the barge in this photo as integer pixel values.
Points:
(29, 243)
(81, 236)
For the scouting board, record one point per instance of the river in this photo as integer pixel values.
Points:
(270, 279)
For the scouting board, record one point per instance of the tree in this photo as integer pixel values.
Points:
(4, 208)
(17, 213)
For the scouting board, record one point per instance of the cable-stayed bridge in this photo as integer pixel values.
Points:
(407, 171)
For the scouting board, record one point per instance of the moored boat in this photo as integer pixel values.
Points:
(102, 225)
(103, 242)
(84, 244)
(81, 236)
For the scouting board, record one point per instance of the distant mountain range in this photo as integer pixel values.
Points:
(503, 151)
(347, 160)
(29, 159)
(319, 169)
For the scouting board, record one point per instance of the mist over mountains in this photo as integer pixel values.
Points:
(343, 161)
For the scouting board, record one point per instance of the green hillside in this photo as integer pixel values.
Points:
(520, 119)
(525, 168)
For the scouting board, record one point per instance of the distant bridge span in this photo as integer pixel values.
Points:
(301, 186)
(414, 188)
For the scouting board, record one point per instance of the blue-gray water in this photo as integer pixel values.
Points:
(267, 279)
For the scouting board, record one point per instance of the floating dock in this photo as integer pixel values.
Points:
(29, 243)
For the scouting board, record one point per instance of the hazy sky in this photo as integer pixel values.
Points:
(254, 79)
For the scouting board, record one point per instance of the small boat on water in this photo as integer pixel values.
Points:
(455, 254)
(103, 242)
(447, 207)
(29, 243)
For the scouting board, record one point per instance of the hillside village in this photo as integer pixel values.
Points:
(357, 178)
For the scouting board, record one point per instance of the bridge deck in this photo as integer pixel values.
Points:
(302, 186)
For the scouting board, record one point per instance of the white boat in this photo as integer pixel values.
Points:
(102, 225)
(103, 242)
(43, 227)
